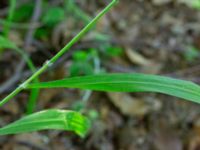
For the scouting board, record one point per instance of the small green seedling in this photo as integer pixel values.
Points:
(81, 64)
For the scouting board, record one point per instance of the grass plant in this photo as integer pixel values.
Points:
(124, 82)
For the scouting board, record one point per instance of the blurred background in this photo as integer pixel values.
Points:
(142, 36)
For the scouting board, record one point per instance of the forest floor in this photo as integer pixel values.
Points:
(155, 36)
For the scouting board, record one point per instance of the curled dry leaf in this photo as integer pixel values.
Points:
(131, 106)
(137, 58)
(194, 143)
(148, 66)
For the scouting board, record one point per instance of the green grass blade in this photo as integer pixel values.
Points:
(129, 83)
(49, 119)
(32, 101)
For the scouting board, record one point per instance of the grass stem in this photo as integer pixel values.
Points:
(59, 54)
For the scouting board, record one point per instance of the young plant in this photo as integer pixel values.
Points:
(47, 64)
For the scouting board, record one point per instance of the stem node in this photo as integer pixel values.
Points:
(48, 63)
(23, 85)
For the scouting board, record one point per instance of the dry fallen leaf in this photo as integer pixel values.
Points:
(166, 139)
(147, 65)
(32, 139)
(137, 58)
(131, 106)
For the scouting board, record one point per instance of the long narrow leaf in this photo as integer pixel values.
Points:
(49, 119)
(129, 83)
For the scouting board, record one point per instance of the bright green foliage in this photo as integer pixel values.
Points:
(80, 56)
(35, 122)
(42, 33)
(114, 51)
(129, 83)
(81, 64)
(53, 16)
(49, 119)
(59, 54)
(24, 12)
(195, 4)
(80, 68)
(32, 101)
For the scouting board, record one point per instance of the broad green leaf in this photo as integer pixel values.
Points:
(129, 83)
(49, 119)
(6, 43)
